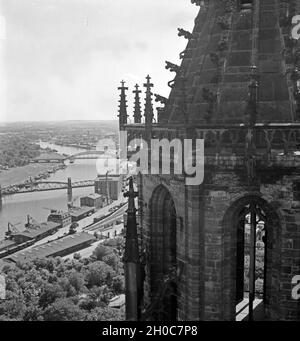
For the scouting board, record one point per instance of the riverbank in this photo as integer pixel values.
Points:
(19, 175)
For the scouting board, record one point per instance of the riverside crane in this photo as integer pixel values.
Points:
(11, 228)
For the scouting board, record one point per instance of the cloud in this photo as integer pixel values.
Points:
(64, 58)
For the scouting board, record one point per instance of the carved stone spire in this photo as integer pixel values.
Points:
(132, 259)
(148, 103)
(131, 195)
(137, 105)
(123, 106)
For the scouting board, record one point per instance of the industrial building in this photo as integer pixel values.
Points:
(113, 184)
(60, 217)
(60, 247)
(93, 200)
(6, 245)
(38, 232)
(78, 213)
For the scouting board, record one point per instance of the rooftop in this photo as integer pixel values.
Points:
(117, 301)
(38, 229)
(63, 214)
(78, 211)
(110, 178)
(52, 248)
(6, 243)
(93, 196)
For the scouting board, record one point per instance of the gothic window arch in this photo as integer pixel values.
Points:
(163, 255)
(252, 233)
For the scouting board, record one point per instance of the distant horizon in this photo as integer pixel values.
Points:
(60, 121)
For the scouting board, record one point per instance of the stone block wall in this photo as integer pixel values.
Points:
(206, 242)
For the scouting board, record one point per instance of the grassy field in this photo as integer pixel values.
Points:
(20, 174)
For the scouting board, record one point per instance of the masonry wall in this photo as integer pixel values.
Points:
(206, 242)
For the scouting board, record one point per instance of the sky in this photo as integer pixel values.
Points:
(64, 59)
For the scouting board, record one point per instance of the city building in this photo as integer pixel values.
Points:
(113, 184)
(78, 213)
(237, 90)
(36, 233)
(60, 247)
(60, 217)
(6, 245)
(93, 200)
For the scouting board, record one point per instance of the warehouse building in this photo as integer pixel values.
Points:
(60, 217)
(7, 244)
(78, 213)
(93, 200)
(39, 231)
(57, 248)
(114, 184)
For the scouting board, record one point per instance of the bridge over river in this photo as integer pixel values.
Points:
(91, 154)
(40, 186)
(84, 155)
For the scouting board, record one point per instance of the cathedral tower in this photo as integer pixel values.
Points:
(228, 248)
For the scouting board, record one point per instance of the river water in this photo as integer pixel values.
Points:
(38, 204)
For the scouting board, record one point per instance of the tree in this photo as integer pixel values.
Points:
(101, 295)
(63, 310)
(111, 260)
(114, 242)
(13, 308)
(118, 284)
(77, 256)
(33, 313)
(106, 314)
(49, 294)
(76, 280)
(87, 304)
(66, 286)
(101, 251)
(40, 263)
(99, 273)
(58, 290)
